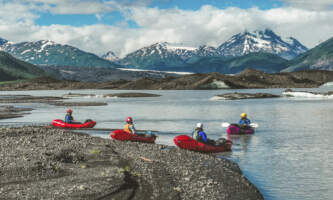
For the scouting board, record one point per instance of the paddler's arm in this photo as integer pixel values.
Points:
(133, 130)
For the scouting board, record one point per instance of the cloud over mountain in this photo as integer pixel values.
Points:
(208, 25)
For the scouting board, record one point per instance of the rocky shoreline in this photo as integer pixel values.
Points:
(28, 99)
(9, 111)
(84, 104)
(56, 101)
(237, 96)
(118, 95)
(249, 78)
(41, 163)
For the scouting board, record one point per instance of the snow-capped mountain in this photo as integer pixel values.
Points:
(2, 42)
(298, 48)
(206, 51)
(45, 52)
(167, 54)
(184, 52)
(159, 54)
(261, 41)
(111, 56)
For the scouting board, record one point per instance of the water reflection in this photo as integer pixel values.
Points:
(240, 140)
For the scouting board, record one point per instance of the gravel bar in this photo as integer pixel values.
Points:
(42, 163)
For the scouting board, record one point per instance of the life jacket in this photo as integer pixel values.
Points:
(196, 135)
(69, 118)
(127, 128)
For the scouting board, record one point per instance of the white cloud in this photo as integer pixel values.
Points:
(99, 17)
(311, 4)
(15, 13)
(83, 6)
(208, 25)
(69, 6)
(211, 25)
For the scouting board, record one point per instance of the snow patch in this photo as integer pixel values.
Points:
(215, 84)
(175, 47)
(111, 56)
(26, 51)
(45, 44)
(219, 84)
(307, 95)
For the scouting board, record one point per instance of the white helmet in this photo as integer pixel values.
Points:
(199, 125)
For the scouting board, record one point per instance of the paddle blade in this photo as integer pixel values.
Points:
(254, 125)
(225, 124)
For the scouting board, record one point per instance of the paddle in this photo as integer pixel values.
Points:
(226, 124)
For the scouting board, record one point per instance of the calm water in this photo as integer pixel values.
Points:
(289, 157)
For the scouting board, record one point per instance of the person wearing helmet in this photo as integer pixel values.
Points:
(129, 127)
(69, 118)
(244, 122)
(199, 134)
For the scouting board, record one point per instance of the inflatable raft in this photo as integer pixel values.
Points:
(62, 124)
(187, 142)
(125, 136)
(235, 129)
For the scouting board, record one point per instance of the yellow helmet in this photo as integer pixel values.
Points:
(243, 115)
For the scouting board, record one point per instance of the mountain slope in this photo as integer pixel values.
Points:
(159, 54)
(319, 58)
(46, 52)
(165, 54)
(14, 69)
(265, 62)
(261, 41)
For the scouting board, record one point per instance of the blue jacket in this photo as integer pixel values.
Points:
(68, 119)
(200, 136)
(244, 121)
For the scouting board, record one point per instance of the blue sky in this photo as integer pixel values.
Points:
(124, 26)
(114, 17)
(197, 4)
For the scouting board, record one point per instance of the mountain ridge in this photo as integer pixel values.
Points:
(165, 55)
(317, 58)
(14, 69)
(46, 52)
(261, 41)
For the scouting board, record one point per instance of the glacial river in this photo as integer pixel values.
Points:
(289, 157)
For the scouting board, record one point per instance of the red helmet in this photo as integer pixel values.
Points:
(129, 119)
(69, 110)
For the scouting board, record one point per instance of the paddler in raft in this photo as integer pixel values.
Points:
(200, 136)
(69, 118)
(129, 127)
(244, 122)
